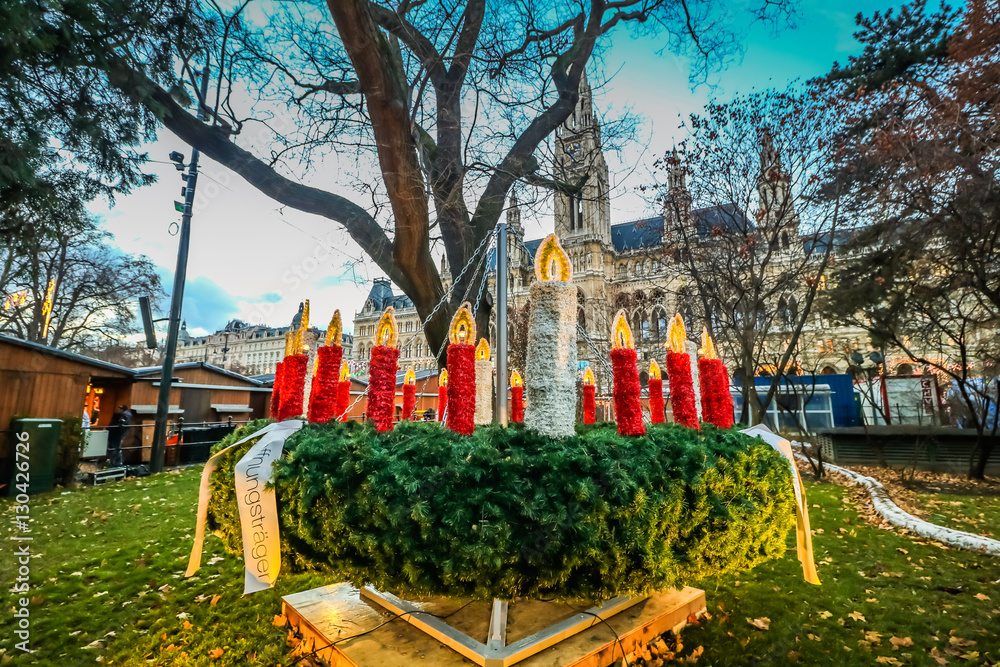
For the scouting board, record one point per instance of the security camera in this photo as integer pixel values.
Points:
(176, 156)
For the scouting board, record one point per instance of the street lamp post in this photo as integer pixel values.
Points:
(177, 295)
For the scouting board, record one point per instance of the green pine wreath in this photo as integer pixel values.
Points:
(507, 513)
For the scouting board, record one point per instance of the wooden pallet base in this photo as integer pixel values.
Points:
(335, 613)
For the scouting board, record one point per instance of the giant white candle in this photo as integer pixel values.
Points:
(484, 383)
(550, 372)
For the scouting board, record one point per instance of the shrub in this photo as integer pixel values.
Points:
(506, 513)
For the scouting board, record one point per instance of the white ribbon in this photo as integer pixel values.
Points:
(257, 505)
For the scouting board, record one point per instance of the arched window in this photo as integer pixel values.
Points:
(581, 317)
(784, 240)
(828, 370)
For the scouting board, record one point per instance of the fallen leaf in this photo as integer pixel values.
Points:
(760, 623)
(857, 616)
(897, 642)
(902, 551)
(187, 625)
(279, 621)
(936, 655)
(887, 660)
(981, 596)
(215, 599)
(695, 654)
(215, 653)
(813, 637)
(825, 614)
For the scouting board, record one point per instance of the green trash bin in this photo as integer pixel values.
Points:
(42, 438)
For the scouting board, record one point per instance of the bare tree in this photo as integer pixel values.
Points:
(752, 227)
(73, 288)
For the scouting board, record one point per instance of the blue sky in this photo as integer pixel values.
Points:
(254, 260)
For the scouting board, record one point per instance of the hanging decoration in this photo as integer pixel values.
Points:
(409, 395)
(656, 411)
(516, 398)
(589, 398)
(343, 392)
(716, 401)
(627, 392)
(382, 372)
(293, 382)
(679, 375)
(326, 383)
(462, 371)
(442, 394)
(484, 383)
(550, 380)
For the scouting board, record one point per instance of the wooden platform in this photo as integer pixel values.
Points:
(333, 613)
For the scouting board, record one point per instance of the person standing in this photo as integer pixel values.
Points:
(116, 431)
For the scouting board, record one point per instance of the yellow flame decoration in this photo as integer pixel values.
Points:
(443, 379)
(335, 332)
(483, 350)
(463, 325)
(515, 379)
(299, 337)
(654, 370)
(676, 334)
(345, 372)
(50, 295)
(622, 333)
(386, 334)
(551, 261)
(289, 341)
(410, 377)
(588, 376)
(707, 346)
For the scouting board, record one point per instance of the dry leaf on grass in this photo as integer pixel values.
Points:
(215, 600)
(981, 596)
(760, 623)
(897, 642)
(857, 616)
(215, 653)
(886, 660)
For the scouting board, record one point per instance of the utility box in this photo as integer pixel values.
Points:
(42, 439)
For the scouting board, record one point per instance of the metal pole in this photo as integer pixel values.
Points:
(176, 299)
(500, 414)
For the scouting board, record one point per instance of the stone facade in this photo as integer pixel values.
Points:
(249, 349)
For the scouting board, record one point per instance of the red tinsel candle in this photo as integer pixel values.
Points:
(589, 396)
(462, 372)
(679, 374)
(382, 372)
(656, 410)
(516, 398)
(323, 397)
(627, 391)
(409, 396)
(343, 393)
(716, 401)
(293, 386)
(276, 390)
(442, 394)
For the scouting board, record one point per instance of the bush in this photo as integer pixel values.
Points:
(506, 513)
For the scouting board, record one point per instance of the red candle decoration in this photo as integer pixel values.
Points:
(325, 384)
(679, 374)
(462, 372)
(409, 395)
(276, 390)
(343, 393)
(293, 386)
(627, 392)
(293, 381)
(589, 396)
(656, 411)
(442, 394)
(382, 372)
(716, 401)
(516, 398)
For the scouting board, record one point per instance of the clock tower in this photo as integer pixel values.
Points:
(584, 214)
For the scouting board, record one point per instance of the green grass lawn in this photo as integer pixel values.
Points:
(107, 585)
(972, 513)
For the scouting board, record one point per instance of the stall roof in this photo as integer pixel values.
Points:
(69, 356)
(155, 371)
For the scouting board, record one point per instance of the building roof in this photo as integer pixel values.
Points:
(156, 370)
(69, 356)
(648, 232)
(381, 296)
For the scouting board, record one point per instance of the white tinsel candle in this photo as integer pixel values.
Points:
(550, 372)
(484, 383)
